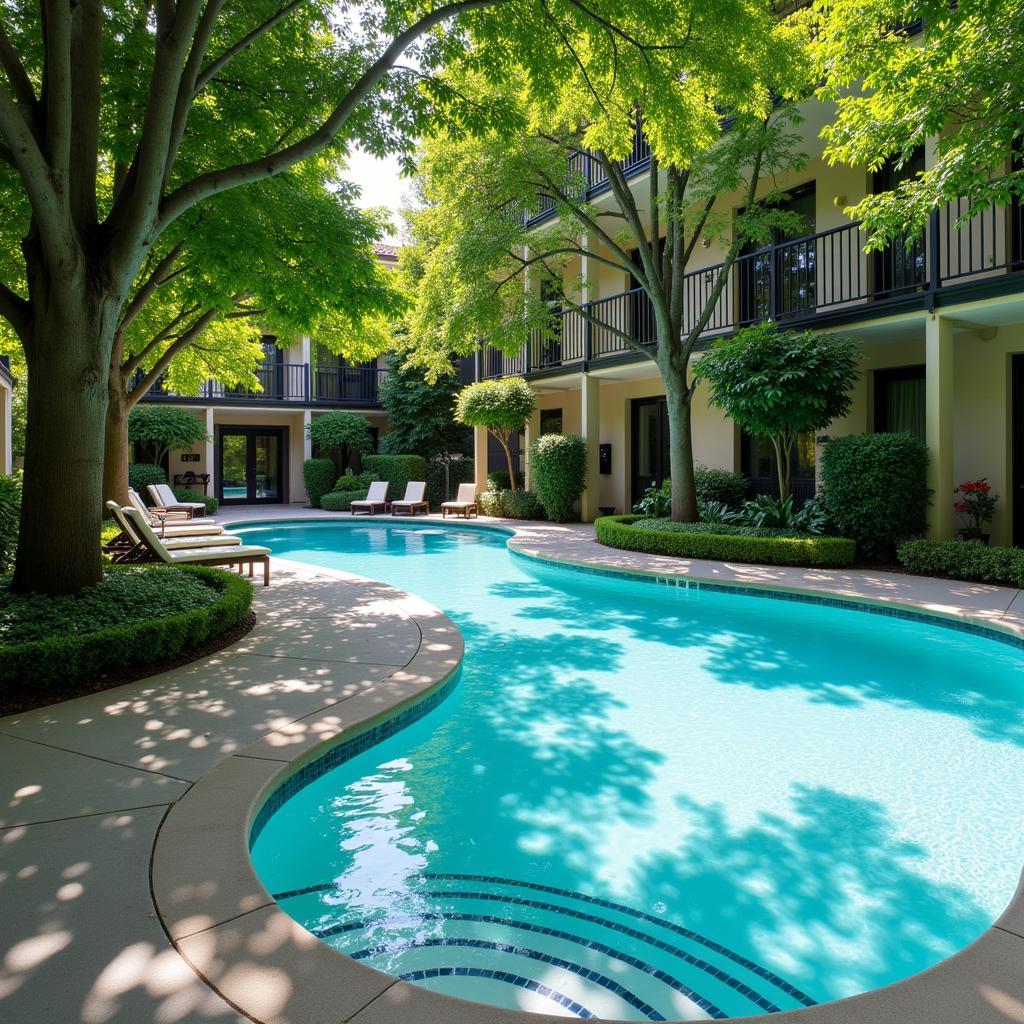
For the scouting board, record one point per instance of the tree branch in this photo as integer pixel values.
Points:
(86, 57)
(181, 342)
(213, 182)
(24, 93)
(15, 310)
(57, 91)
(143, 294)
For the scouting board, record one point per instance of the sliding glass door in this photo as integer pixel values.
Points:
(251, 465)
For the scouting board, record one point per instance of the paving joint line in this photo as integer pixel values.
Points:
(89, 814)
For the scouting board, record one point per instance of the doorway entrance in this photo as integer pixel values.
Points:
(251, 465)
(649, 449)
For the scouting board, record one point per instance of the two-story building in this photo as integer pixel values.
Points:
(257, 440)
(940, 324)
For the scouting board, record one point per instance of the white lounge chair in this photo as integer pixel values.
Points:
(413, 500)
(250, 554)
(131, 547)
(464, 503)
(165, 501)
(174, 524)
(376, 499)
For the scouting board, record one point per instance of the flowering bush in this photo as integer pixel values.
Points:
(976, 504)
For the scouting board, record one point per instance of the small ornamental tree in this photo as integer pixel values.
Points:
(779, 384)
(502, 407)
(338, 431)
(163, 429)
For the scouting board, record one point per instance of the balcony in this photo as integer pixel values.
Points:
(817, 278)
(294, 384)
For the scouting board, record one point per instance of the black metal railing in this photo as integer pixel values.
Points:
(791, 281)
(296, 383)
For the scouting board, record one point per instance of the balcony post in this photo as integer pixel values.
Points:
(307, 443)
(477, 360)
(210, 452)
(934, 258)
(939, 369)
(307, 380)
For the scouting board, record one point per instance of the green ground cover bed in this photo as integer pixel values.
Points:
(720, 542)
(135, 617)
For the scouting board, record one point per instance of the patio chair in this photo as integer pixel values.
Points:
(129, 545)
(243, 554)
(376, 499)
(413, 500)
(464, 503)
(167, 502)
(173, 524)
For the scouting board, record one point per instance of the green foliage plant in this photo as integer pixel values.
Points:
(722, 485)
(187, 494)
(558, 466)
(338, 431)
(397, 470)
(10, 514)
(341, 501)
(500, 406)
(142, 474)
(421, 411)
(723, 543)
(875, 488)
(964, 560)
(160, 429)
(134, 616)
(780, 384)
(318, 476)
(351, 482)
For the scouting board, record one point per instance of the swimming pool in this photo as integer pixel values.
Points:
(646, 802)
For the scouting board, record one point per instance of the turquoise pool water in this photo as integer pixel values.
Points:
(644, 803)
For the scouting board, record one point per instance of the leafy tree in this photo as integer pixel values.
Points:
(341, 431)
(421, 413)
(482, 254)
(962, 86)
(779, 384)
(502, 406)
(118, 119)
(163, 429)
(223, 277)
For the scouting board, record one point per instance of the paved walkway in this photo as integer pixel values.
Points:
(84, 785)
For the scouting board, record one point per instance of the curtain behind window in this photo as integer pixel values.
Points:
(904, 411)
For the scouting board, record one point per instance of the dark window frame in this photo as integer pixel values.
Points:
(882, 379)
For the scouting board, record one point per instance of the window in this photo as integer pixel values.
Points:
(900, 401)
(550, 421)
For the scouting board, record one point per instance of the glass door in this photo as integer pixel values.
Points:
(650, 454)
(251, 465)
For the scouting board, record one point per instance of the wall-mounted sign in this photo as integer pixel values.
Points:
(189, 457)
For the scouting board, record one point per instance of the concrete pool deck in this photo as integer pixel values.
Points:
(125, 889)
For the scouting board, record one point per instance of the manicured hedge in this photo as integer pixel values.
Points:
(875, 489)
(69, 654)
(142, 474)
(722, 485)
(187, 494)
(398, 470)
(341, 501)
(318, 476)
(620, 532)
(510, 505)
(964, 560)
(558, 464)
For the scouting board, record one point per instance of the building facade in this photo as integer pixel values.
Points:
(257, 440)
(940, 322)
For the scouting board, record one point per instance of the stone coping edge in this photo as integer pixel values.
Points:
(225, 924)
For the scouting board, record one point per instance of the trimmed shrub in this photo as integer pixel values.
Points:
(398, 470)
(510, 504)
(521, 505)
(341, 501)
(10, 517)
(135, 616)
(720, 485)
(318, 476)
(558, 467)
(499, 480)
(187, 494)
(875, 490)
(708, 540)
(964, 560)
(351, 482)
(142, 474)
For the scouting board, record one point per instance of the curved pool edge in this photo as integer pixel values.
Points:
(223, 921)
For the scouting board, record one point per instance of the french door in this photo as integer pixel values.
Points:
(649, 462)
(250, 463)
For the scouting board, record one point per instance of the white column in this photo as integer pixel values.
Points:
(6, 457)
(307, 444)
(209, 454)
(480, 469)
(590, 421)
(307, 348)
(939, 424)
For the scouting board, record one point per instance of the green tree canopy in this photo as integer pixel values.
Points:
(164, 428)
(960, 85)
(502, 407)
(337, 430)
(779, 384)
(421, 413)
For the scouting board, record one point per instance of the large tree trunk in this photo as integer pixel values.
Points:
(115, 455)
(680, 451)
(67, 357)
